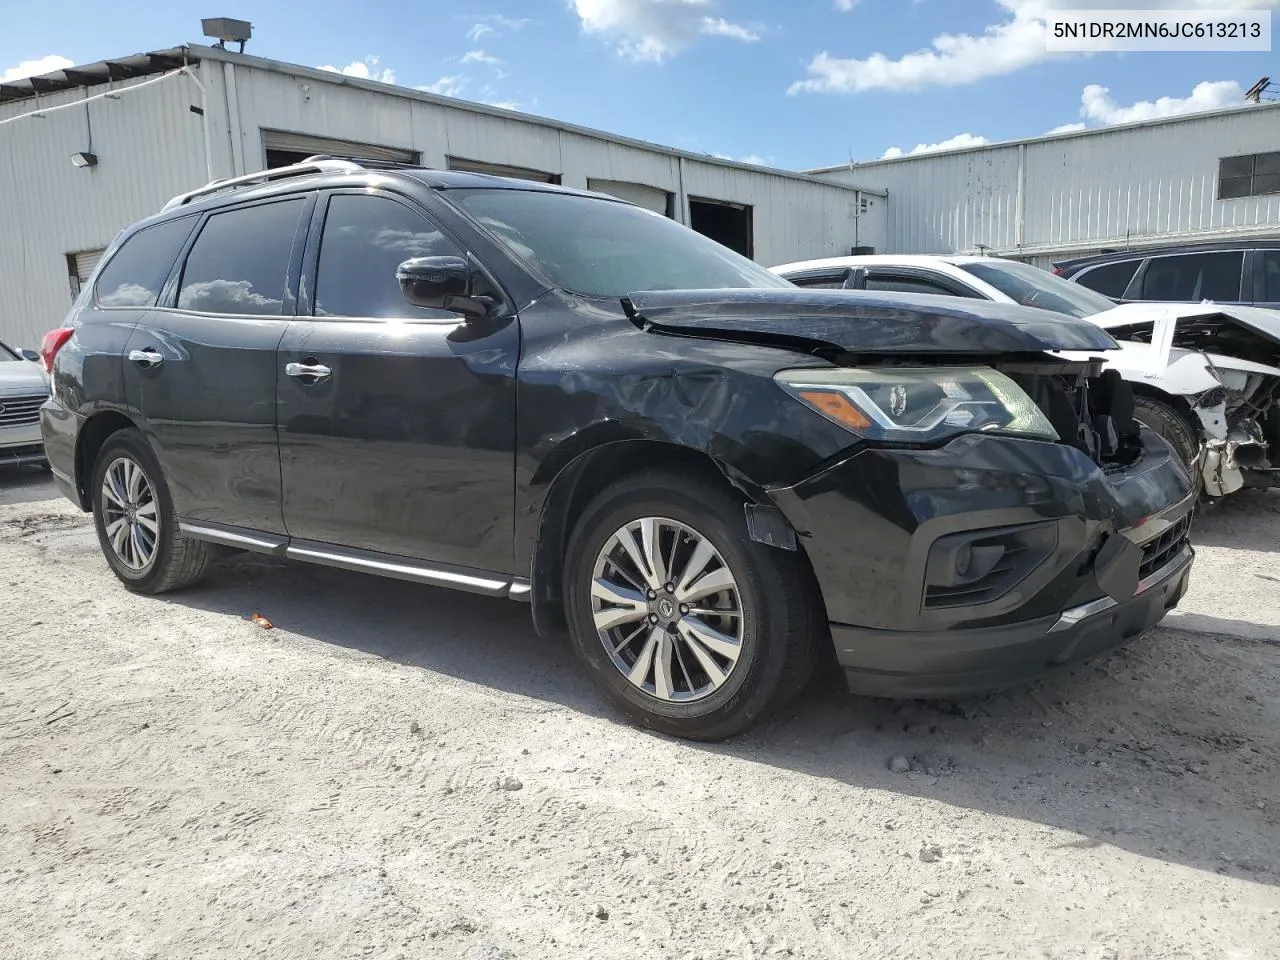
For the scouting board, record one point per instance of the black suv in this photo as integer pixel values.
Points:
(1231, 271)
(705, 473)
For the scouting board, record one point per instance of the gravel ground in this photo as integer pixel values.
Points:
(394, 771)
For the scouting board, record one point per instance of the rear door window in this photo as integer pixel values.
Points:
(239, 265)
(826, 281)
(894, 283)
(365, 239)
(1192, 277)
(1110, 279)
(138, 270)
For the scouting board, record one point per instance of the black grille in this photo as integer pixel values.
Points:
(1158, 552)
(20, 411)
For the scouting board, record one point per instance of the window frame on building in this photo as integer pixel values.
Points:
(1249, 175)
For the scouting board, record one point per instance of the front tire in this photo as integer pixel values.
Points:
(1175, 428)
(687, 625)
(133, 514)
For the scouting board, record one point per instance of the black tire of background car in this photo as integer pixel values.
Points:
(784, 618)
(179, 561)
(1174, 426)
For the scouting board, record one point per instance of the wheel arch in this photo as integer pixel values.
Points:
(90, 439)
(1177, 403)
(582, 478)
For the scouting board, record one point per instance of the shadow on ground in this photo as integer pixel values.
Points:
(1246, 520)
(1170, 748)
(25, 485)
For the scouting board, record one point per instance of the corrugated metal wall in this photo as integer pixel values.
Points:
(1135, 185)
(151, 146)
(794, 218)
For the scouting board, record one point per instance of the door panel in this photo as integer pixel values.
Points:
(210, 406)
(202, 370)
(407, 445)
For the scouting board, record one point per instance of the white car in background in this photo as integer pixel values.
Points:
(23, 390)
(1206, 376)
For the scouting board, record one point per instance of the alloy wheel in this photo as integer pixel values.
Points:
(130, 514)
(667, 609)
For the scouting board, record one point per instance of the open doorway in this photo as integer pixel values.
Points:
(726, 223)
(283, 149)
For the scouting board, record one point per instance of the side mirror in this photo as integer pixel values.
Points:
(28, 354)
(443, 283)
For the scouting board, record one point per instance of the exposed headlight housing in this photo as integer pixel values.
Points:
(918, 404)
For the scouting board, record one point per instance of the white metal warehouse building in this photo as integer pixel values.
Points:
(1208, 176)
(150, 126)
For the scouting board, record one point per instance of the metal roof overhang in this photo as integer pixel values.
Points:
(92, 74)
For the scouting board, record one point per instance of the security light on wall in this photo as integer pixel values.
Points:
(84, 159)
(225, 29)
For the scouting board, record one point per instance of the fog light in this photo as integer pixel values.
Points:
(963, 561)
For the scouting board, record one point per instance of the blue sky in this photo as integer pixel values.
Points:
(798, 84)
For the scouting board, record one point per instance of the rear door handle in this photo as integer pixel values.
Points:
(150, 357)
(312, 372)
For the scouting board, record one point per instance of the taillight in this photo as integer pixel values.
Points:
(52, 343)
(1058, 272)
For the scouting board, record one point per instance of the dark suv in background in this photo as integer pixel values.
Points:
(707, 474)
(1244, 272)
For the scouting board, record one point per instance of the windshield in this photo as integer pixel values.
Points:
(1033, 287)
(599, 248)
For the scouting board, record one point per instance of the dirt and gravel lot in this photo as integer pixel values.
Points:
(399, 772)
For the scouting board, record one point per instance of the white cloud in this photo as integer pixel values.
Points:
(495, 24)
(1067, 128)
(35, 68)
(653, 30)
(846, 4)
(720, 27)
(503, 104)
(365, 69)
(445, 86)
(752, 158)
(1015, 42)
(479, 56)
(1097, 104)
(958, 142)
(505, 23)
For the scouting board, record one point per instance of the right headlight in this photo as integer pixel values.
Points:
(918, 404)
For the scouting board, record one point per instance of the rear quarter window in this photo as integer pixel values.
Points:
(138, 269)
(1193, 277)
(1110, 279)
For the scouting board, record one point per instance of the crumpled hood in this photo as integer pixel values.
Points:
(1260, 320)
(856, 322)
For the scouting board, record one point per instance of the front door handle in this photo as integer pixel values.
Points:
(150, 357)
(310, 372)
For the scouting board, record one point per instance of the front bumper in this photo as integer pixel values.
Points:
(20, 445)
(956, 663)
(1087, 558)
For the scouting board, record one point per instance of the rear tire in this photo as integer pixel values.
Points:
(1173, 425)
(133, 514)
(753, 661)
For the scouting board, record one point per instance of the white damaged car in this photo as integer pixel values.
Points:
(1206, 376)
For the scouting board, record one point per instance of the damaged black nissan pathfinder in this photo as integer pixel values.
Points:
(704, 473)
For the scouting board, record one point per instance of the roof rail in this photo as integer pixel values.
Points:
(310, 165)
